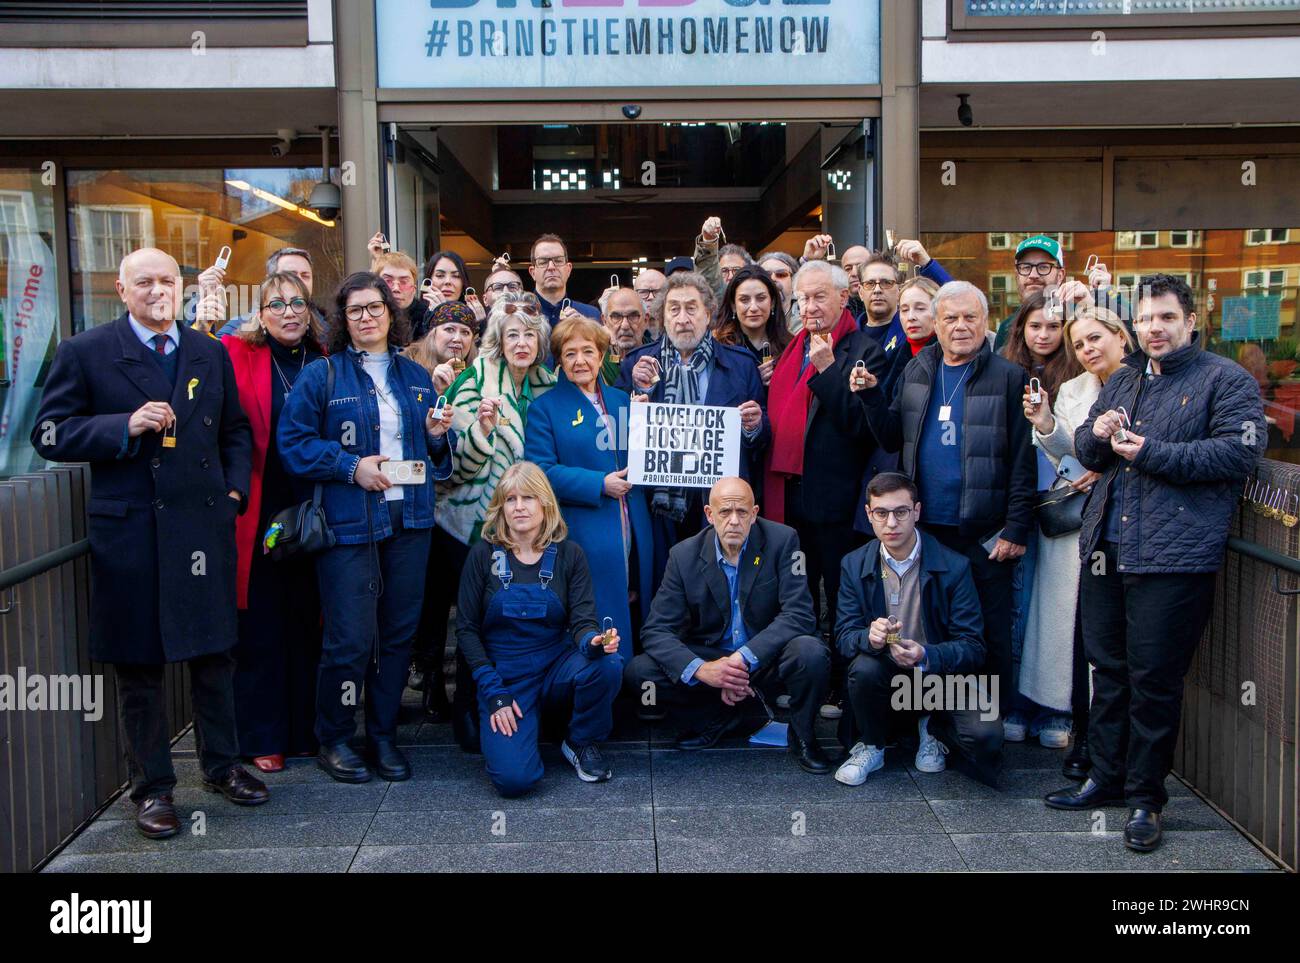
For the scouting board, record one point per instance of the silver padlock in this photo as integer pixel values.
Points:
(830, 252)
(1121, 435)
(1035, 392)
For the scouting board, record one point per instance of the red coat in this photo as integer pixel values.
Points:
(253, 378)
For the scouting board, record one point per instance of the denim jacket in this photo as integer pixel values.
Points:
(324, 439)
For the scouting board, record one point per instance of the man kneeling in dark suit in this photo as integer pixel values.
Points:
(733, 615)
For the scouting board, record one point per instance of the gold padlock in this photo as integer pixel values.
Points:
(1289, 519)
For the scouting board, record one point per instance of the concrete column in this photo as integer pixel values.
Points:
(354, 58)
(900, 117)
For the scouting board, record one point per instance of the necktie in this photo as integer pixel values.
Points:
(160, 343)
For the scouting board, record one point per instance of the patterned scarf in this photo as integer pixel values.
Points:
(681, 387)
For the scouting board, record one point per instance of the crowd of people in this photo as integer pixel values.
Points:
(293, 502)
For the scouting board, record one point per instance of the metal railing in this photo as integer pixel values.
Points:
(1239, 734)
(57, 769)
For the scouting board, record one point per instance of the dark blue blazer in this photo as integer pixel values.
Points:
(161, 527)
(950, 607)
(733, 381)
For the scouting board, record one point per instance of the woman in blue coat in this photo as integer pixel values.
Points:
(577, 434)
(346, 416)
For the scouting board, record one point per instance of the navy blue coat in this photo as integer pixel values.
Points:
(733, 381)
(1196, 419)
(153, 510)
(950, 606)
(564, 438)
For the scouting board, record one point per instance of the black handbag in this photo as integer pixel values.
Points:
(303, 528)
(1060, 511)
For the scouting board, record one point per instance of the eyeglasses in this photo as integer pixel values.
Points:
(514, 287)
(618, 317)
(648, 294)
(399, 281)
(885, 284)
(882, 514)
(545, 262)
(278, 306)
(523, 307)
(355, 312)
(730, 273)
(1042, 268)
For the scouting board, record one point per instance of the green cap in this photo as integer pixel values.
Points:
(1041, 242)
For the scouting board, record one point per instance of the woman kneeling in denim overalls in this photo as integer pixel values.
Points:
(526, 622)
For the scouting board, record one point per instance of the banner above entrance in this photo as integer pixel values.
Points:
(627, 43)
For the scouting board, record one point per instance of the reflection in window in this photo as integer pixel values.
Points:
(29, 311)
(1244, 286)
(192, 214)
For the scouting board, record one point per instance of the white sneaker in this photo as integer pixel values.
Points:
(1013, 729)
(1054, 734)
(862, 761)
(930, 753)
(830, 711)
(783, 701)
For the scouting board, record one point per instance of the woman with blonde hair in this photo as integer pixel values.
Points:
(1053, 670)
(278, 603)
(527, 625)
(490, 403)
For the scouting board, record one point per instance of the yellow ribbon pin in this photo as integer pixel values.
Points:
(577, 421)
(194, 383)
(757, 559)
(892, 341)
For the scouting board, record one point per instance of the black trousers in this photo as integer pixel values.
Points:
(144, 722)
(976, 741)
(1080, 687)
(1139, 632)
(993, 584)
(370, 596)
(824, 545)
(803, 670)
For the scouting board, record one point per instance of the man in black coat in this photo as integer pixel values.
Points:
(733, 617)
(153, 407)
(821, 443)
(958, 418)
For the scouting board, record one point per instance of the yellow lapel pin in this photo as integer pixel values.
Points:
(757, 559)
(189, 388)
(577, 421)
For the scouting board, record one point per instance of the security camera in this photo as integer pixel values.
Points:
(284, 141)
(326, 200)
(964, 113)
(631, 111)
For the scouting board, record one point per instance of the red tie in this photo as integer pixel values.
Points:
(160, 343)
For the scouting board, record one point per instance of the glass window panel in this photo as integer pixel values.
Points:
(192, 214)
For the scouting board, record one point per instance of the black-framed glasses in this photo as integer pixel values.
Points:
(882, 514)
(618, 317)
(514, 287)
(545, 262)
(885, 284)
(355, 312)
(279, 306)
(1041, 268)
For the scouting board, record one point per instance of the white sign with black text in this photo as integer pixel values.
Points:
(682, 446)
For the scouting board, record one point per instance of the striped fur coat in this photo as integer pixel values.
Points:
(480, 459)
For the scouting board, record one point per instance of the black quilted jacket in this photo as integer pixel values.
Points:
(1203, 424)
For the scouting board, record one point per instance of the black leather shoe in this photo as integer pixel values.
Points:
(388, 761)
(1087, 795)
(1142, 831)
(239, 787)
(810, 755)
(416, 676)
(342, 763)
(155, 817)
(711, 734)
(434, 700)
(1077, 763)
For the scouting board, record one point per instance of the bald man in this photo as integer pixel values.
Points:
(731, 627)
(649, 285)
(153, 407)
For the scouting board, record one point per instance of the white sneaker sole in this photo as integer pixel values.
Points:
(1054, 739)
(830, 712)
(931, 767)
(572, 757)
(842, 777)
(1013, 735)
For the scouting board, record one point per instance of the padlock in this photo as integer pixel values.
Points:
(830, 252)
(1035, 392)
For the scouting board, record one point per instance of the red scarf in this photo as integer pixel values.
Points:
(787, 409)
(918, 345)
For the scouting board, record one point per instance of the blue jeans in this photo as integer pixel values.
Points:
(372, 609)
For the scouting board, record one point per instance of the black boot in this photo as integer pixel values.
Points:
(434, 700)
